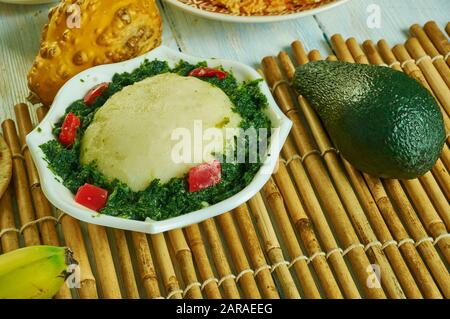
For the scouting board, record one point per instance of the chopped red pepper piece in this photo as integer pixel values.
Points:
(204, 175)
(92, 197)
(69, 129)
(94, 93)
(208, 72)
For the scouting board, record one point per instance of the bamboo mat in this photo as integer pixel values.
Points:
(318, 229)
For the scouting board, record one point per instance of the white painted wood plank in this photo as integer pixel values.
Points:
(168, 38)
(20, 31)
(396, 17)
(248, 43)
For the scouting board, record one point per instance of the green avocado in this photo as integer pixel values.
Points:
(382, 121)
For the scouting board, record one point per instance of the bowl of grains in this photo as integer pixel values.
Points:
(254, 11)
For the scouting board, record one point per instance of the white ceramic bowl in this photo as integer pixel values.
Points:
(75, 89)
(252, 19)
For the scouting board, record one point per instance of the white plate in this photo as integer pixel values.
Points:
(194, 8)
(75, 89)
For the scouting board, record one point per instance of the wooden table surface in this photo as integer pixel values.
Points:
(20, 28)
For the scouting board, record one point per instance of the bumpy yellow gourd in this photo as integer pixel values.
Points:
(84, 33)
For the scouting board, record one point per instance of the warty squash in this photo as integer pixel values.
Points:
(84, 33)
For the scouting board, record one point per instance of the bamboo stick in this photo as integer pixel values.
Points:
(431, 50)
(402, 57)
(256, 254)
(380, 227)
(412, 70)
(409, 214)
(412, 222)
(20, 182)
(409, 68)
(439, 170)
(169, 277)
(305, 229)
(220, 260)
(341, 49)
(146, 267)
(385, 55)
(428, 179)
(74, 239)
(313, 206)
(332, 57)
(320, 179)
(437, 197)
(184, 258)
(247, 281)
(430, 218)
(41, 112)
(105, 265)
(286, 65)
(126, 265)
(413, 45)
(314, 55)
(320, 222)
(275, 199)
(438, 38)
(197, 245)
(428, 214)
(10, 240)
(104, 261)
(354, 53)
(392, 251)
(348, 197)
(443, 176)
(374, 57)
(415, 263)
(431, 74)
(275, 254)
(298, 51)
(41, 204)
(398, 56)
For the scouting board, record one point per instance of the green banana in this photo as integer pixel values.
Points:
(36, 272)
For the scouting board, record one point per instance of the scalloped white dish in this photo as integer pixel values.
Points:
(77, 87)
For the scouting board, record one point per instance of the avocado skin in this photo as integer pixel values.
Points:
(382, 121)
